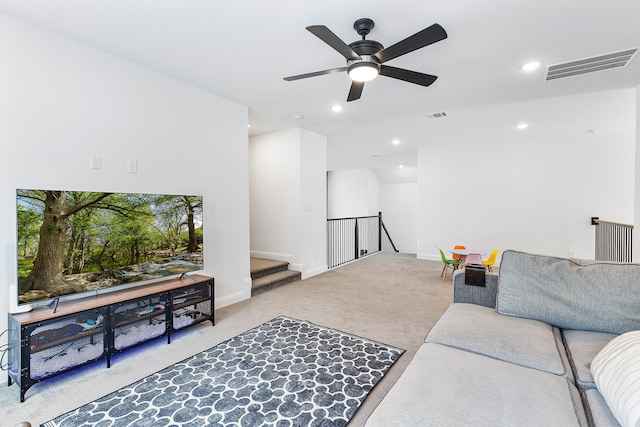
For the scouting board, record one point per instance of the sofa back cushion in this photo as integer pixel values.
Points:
(569, 293)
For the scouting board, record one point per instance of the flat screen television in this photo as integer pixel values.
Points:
(72, 243)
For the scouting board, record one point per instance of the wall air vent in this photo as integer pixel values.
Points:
(589, 65)
(437, 115)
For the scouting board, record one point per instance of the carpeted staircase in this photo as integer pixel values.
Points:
(267, 274)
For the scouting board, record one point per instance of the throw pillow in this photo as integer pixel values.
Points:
(616, 371)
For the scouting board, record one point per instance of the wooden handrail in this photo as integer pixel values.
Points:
(596, 221)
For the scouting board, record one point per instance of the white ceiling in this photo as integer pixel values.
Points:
(241, 50)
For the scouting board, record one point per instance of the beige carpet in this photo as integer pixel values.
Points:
(388, 297)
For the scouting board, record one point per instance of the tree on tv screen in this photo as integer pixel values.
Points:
(83, 233)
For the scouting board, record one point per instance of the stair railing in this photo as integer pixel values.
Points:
(387, 234)
(614, 241)
(352, 238)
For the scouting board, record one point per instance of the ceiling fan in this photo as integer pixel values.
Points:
(365, 58)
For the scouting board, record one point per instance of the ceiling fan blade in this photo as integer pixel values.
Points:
(355, 91)
(423, 38)
(316, 73)
(327, 36)
(407, 75)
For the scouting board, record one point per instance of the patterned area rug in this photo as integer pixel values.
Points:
(284, 373)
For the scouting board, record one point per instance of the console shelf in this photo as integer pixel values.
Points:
(43, 344)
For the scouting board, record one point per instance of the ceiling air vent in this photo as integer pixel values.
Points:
(437, 115)
(589, 65)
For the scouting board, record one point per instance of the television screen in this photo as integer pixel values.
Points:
(74, 242)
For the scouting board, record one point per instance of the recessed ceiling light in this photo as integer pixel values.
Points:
(336, 108)
(298, 117)
(395, 142)
(400, 166)
(522, 126)
(530, 66)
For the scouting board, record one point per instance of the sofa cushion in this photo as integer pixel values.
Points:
(582, 347)
(572, 294)
(598, 413)
(616, 371)
(481, 330)
(444, 386)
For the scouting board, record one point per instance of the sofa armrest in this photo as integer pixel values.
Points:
(471, 294)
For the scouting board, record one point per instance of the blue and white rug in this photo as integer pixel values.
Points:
(283, 373)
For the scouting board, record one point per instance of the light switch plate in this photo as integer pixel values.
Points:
(96, 162)
(132, 166)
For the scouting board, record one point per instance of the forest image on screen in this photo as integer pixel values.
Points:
(73, 242)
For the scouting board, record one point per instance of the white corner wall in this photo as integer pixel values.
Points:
(636, 193)
(313, 196)
(63, 102)
(399, 207)
(535, 194)
(288, 198)
(373, 208)
(352, 193)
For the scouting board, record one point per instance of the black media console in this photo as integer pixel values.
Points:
(43, 344)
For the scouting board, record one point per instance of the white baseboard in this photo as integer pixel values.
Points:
(298, 266)
(315, 271)
(231, 299)
(273, 255)
(430, 257)
(244, 294)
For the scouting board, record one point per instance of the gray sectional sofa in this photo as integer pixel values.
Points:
(518, 351)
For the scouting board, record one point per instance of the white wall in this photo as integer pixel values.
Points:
(347, 193)
(535, 194)
(288, 199)
(373, 185)
(274, 194)
(63, 102)
(358, 192)
(352, 193)
(400, 214)
(313, 189)
(636, 222)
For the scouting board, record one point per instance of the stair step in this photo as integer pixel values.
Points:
(261, 267)
(274, 280)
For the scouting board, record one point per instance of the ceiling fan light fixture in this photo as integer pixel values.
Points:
(364, 57)
(364, 69)
(363, 72)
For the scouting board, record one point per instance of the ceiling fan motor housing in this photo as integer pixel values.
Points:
(363, 61)
(366, 49)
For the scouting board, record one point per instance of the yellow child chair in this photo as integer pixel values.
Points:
(491, 260)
